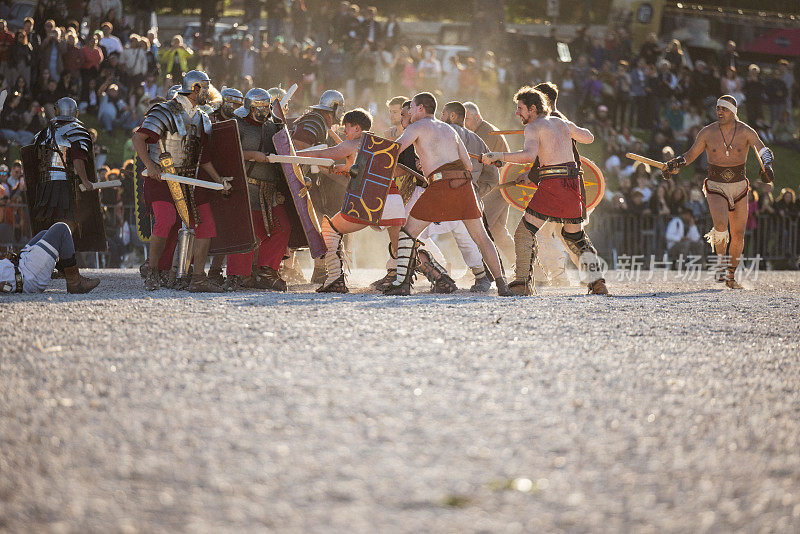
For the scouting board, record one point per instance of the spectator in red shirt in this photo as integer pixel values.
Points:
(73, 56)
(6, 40)
(92, 57)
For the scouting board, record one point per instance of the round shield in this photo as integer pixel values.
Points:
(520, 195)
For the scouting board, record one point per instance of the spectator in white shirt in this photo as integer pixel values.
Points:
(682, 236)
(109, 42)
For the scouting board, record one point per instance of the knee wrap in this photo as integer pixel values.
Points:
(715, 237)
(579, 244)
(333, 259)
(523, 245)
(532, 228)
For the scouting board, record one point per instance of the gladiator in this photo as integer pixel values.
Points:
(356, 122)
(726, 143)
(558, 197)
(450, 196)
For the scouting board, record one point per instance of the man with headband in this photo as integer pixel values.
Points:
(726, 143)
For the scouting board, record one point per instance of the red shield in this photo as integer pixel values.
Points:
(231, 211)
(370, 178)
(90, 235)
(299, 190)
(520, 195)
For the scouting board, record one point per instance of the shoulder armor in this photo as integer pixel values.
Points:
(314, 123)
(206, 122)
(73, 133)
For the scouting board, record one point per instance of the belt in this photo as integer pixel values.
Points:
(558, 171)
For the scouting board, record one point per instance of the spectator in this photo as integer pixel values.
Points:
(650, 50)
(113, 112)
(72, 58)
(788, 79)
(92, 56)
(776, 92)
(392, 32)
(752, 209)
(49, 94)
(729, 58)
(786, 205)
(642, 178)
(13, 121)
(674, 54)
(754, 94)
(371, 30)
(20, 58)
(683, 238)
(658, 201)
(731, 84)
(276, 17)
(109, 42)
(134, 60)
(175, 59)
(676, 200)
(245, 61)
(6, 42)
(430, 70)
(36, 118)
(299, 15)
(67, 86)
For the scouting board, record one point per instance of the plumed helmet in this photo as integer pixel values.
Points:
(172, 91)
(333, 101)
(66, 109)
(258, 102)
(231, 95)
(195, 79)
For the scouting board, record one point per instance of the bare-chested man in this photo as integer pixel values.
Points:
(355, 123)
(558, 196)
(726, 143)
(450, 197)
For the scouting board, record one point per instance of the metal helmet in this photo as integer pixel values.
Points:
(172, 91)
(258, 102)
(66, 109)
(276, 92)
(333, 101)
(231, 99)
(196, 80)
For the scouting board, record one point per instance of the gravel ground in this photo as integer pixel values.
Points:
(670, 407)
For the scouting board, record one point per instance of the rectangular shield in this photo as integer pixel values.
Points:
(300, 195)
(231, 211)
(370, 179)
(90, 233)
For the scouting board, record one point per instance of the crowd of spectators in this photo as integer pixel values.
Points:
(651, 101)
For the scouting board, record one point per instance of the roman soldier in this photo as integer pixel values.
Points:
(268, 194)
(311, 129)
(232, 99)
(65, 158)
(170, 140)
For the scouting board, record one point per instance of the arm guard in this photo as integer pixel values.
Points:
(766, 156)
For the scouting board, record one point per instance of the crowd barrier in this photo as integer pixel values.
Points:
(775, 238)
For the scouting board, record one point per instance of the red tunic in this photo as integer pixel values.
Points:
(155, 190)
(557, 196)
(451, 198)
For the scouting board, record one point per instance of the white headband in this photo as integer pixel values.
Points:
(727, 104)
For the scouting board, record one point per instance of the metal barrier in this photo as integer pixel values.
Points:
(776, 239)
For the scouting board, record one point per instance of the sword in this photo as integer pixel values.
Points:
(299, 160)
(101, 185)
(315, 147)
(497, 163)
(412, 172)
(506, 132)
(289, 94)
(653, 163)
(192, 181)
